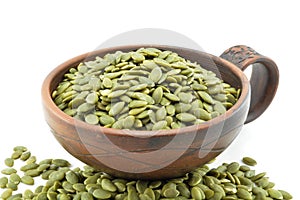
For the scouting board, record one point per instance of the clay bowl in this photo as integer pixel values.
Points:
(165, 153)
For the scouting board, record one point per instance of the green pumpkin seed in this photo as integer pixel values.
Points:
(244, 194)
(107, 83)
(86, 196)
(128, 122)
(27, 180)
(157, 95)
(137, 104)
(108, 185)
(3, 182)
(219, 107)
(186, 117)
(170, 110)
(106, 120)
(249, 161)
(138, 87)
(141, 186)
(92, 98)
(161, 114)
(85, 107)
(233, 167)
(206, 97)
(274, 193)
(195, 179)
(57, 176)
(7, 193)
(116, 108)
(61, 162)
(25, 156)
(155, 74)
(197, 193)
(171, 97)
(185, 97)
(72, 177)
(137, 57)
(170, 193)
(150, 64)
(16, 154)
(9, 162)
(116, 93)
(91, 119)
(159, 125)
(285, 194)
(182, 107)
(14, 178)
(8, 171)
(143, 97)
(132, 193)
(32, 172)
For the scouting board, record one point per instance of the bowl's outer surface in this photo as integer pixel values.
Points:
(148, 154)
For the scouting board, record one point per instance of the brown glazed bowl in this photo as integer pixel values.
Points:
(165, 153)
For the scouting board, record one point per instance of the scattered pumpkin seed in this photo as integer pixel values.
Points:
(9, 162)
(249, 161)
(227, 181)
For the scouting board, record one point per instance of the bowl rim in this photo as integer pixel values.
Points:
(63, 67)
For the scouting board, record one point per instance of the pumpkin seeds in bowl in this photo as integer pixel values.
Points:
(146, 89)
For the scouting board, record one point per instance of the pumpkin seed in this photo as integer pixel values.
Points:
(171, 97)
(116, 108)
(197, 193)
(8, 171)
(7, 193)
(157, 95)
(275, 193)
(244, 194)
(27, 180)
(92, 98)
(101, 194)
(16, 154)
(155, 74)
(25, 156)
(249, 161)
(285, 194)
(206, 97)
(219, 107)
(159, 125)
(14, 178)
(9, 162)
(116, 93)
(186, 117)
(91, 119)
(137, 103)
(233, 167)
(137, 57)
(185, 97)
(128, 122)
(3, 182)
(161, 114)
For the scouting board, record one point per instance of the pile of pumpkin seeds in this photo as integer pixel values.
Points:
(229, 181)
(146, 89)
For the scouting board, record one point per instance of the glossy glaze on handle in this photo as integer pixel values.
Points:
(264, 78)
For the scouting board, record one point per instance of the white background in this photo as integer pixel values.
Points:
(36, 36)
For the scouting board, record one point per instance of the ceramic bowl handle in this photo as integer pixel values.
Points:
(264, 78)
